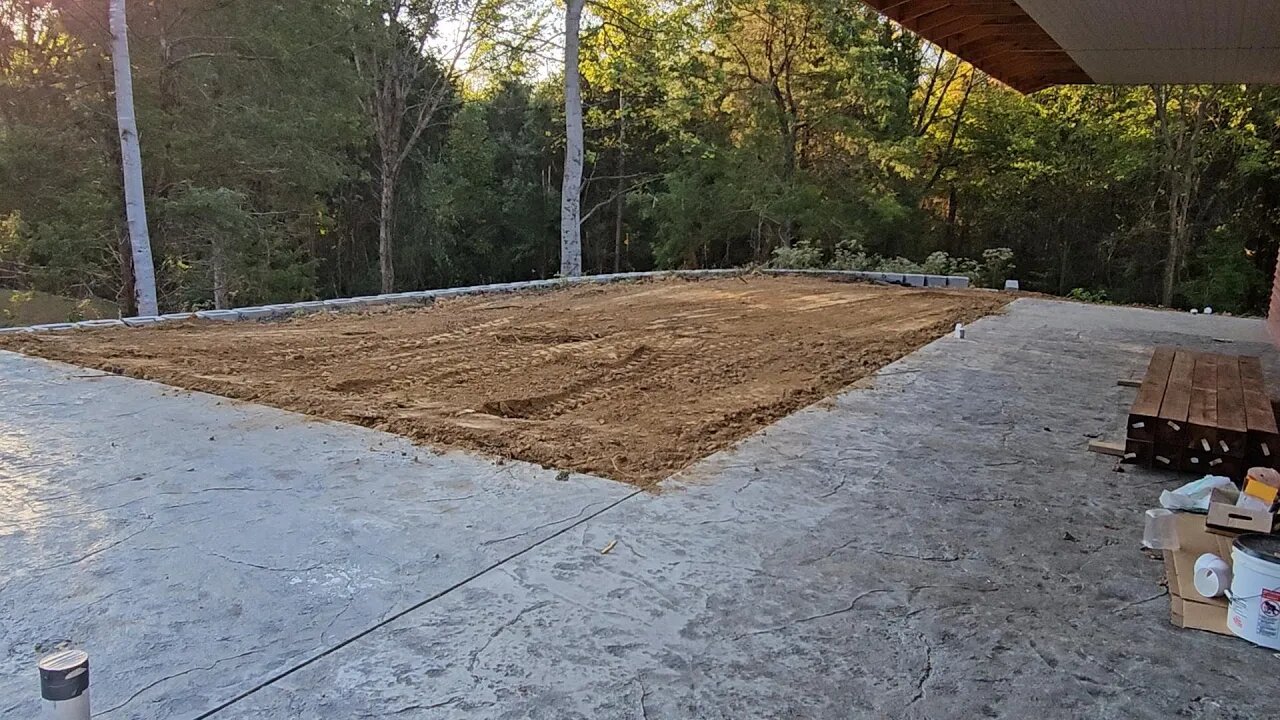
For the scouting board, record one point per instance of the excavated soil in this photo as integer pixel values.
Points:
(628, 381)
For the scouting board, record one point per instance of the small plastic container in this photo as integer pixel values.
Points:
(1160, 531)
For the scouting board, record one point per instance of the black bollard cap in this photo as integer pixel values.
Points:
(64, 674)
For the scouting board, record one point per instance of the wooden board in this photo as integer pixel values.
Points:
(1251, 373)
(1103, 447)
(1232, 426)
(1202, 413)
(1230, 396)
(1137, 452)
(1258, 415)
(1171, 428)
(1263, 437)
(1257, 405)
(1146, 404)
(1166, 459)
(1212, 414)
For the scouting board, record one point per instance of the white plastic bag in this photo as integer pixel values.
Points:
(1195, 495)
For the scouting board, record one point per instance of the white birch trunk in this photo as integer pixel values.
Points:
(571, 188)
(144, 274)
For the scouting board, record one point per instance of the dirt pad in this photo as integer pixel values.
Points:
(628, 381)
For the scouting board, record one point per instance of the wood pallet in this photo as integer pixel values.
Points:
(1202, 413)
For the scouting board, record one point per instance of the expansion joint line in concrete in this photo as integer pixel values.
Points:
(392, 618)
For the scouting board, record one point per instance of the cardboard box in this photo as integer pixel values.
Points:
(1187, 608)
(1225, 514)
(1239, 519)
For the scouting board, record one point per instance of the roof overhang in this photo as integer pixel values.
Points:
(1032, 44)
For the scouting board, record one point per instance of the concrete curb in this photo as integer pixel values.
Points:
(426, 297)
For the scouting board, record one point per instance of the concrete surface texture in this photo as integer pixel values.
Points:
(194, 545)
(938, 544)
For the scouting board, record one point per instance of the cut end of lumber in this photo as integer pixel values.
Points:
(1106, 448)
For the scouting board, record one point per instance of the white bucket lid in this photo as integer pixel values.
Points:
(1263, 547)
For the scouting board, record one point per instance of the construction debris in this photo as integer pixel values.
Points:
(1203, 413)
(1230, 551)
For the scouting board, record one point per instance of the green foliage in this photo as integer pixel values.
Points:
(1089, 296)
(205, 227)
(801, 256)
(32, 307)
(82, 310)
(13, 306)
(996, 267)
(850, 255)
(488, 213)
(801, 133)
(782, 140)
(1224, 275)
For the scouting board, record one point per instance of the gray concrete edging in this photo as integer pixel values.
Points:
(426, 297)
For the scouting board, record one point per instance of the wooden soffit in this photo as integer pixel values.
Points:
(1032, 44)
(996, 36)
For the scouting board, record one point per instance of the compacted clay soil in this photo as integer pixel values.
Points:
(629, 381)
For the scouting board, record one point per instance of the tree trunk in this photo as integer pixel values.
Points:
(788, 136)
(1172, 254)
(945, 158)
(1173, 257)
(1182, 178)
(144, 275)
(621, 199)
(953, 209)
(386, 206)
(221, 299)
(1179, 205)
(787, 232)
(571, 187)
(126, 295)
(128, 298)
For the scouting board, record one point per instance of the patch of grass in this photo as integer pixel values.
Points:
(30, 307)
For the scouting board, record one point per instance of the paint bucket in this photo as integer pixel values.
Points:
(1254, 613)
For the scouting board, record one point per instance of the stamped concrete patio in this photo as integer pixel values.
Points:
(936, 544)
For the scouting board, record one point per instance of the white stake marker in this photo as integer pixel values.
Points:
(64, 682)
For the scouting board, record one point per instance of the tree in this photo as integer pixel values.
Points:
(571, 187)
(251, 110)
(408, 87)
(321, 148)
(144, 275)
(627, 57)
(58, 133)
(1181, 113)
(796, 128)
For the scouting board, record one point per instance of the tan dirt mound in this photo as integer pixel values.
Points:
(628, 381)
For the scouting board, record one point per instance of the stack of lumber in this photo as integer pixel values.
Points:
(1203, 413)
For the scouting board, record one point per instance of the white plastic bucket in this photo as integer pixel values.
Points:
(1254, 612)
